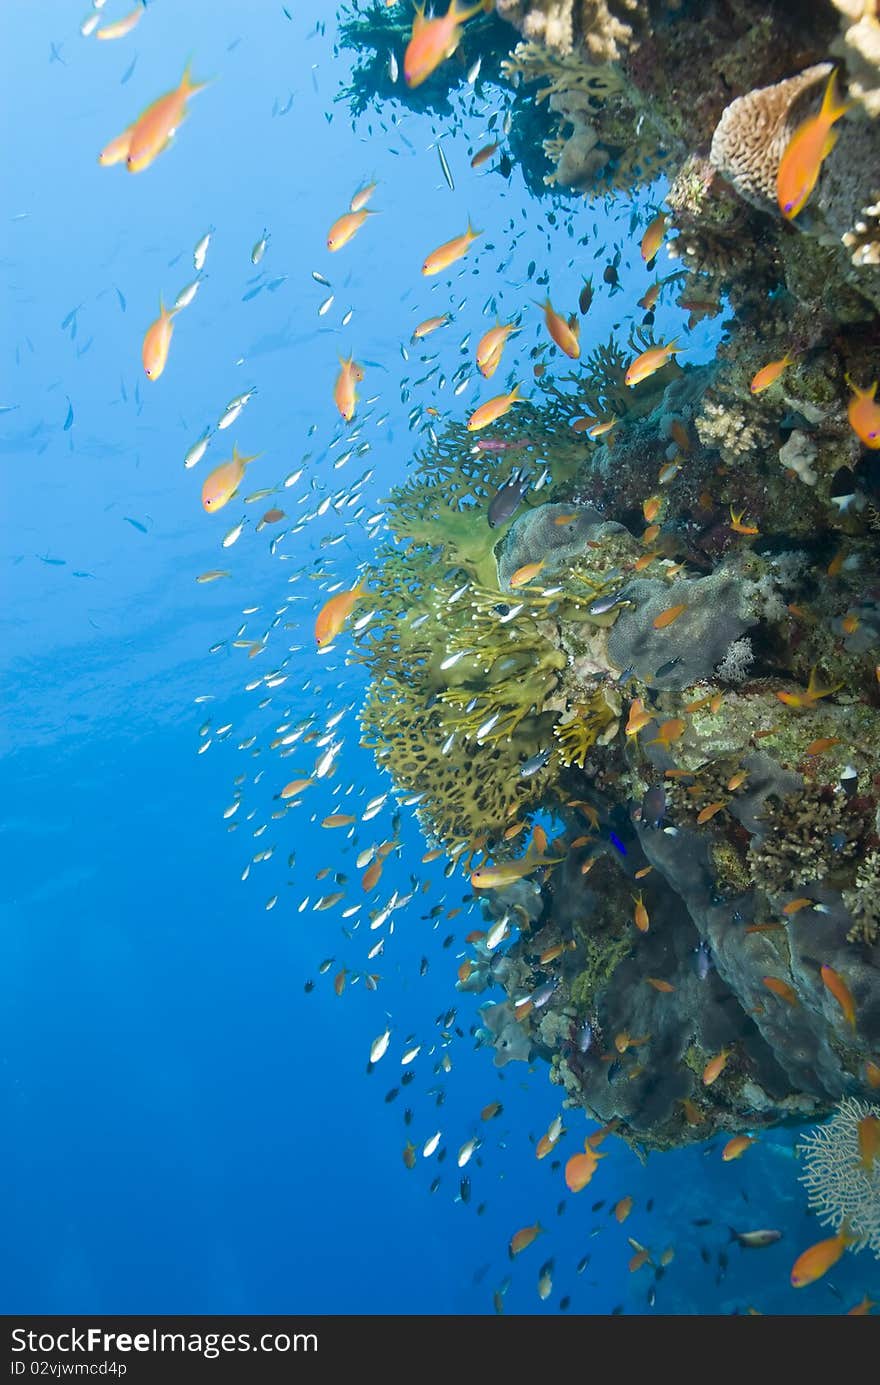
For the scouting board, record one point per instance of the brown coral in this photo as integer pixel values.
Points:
(799, 847)
(863, 902)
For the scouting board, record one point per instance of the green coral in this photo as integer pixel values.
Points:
(602, 956)
(582, 725)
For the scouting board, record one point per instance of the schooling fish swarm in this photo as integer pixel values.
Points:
(644, 613)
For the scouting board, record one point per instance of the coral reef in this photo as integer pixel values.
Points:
(669, 648)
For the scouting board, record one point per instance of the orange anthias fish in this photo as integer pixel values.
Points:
(736, 1147)
(649, 361)
(224, 481)
(345, 394)
(863, 411)
(120, 27)
(434, 40)
(736, 523)
(872, 1073)
(525, 574)
(821, 745)
(523, 1239)
(869, 1141)
(157, 340)
(492, 410)
(835, 984)
(429, 325)
(669, 732)
(818, 1260)
(580, 1169)
(781, 988)
(715, 1067)
(660, 985)
(116, 152)
(346, 226)
(335, 612)
(651, 508)
(450, 251)
(483, 154)
(601, 427)
(707, 813)
(370, 877)
(565, 334)
(794, 906)
(638, 717)
(491, 347)
(861, 1310)
(668, 616)
(641, 1257)
(802, 160)
(640, 914)
(153, 130)
(362, 197)
(296, 786)
(653, 238)
(623, 1209)
(813, 693)
(769, 374)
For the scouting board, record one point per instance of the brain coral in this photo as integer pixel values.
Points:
(753, 131)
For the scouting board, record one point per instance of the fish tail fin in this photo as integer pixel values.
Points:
(462, 12)
(832, 106)
(515, 394)
(472, 231)
(187, 86)
(734, 1235)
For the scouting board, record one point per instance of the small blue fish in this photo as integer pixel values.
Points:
(585, 1037)
(654, 806)
(120, 296)
(616, 842)
(543, 993)
(703, 960)
(128, 71)
(136, 524)
(68, 422)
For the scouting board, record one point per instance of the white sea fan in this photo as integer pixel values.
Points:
(737, 661)
(840, 1188)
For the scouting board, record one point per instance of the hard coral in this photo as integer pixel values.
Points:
(802, 846)
(754, 130)
(606, 28)
(863, 901)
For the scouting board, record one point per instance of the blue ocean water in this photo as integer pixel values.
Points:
(187, 1128)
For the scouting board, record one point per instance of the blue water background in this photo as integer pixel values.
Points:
(185, 1129)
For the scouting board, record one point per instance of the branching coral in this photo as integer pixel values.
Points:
(808, 839)
(584, 724)
(863, 901)
(841, 1189)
